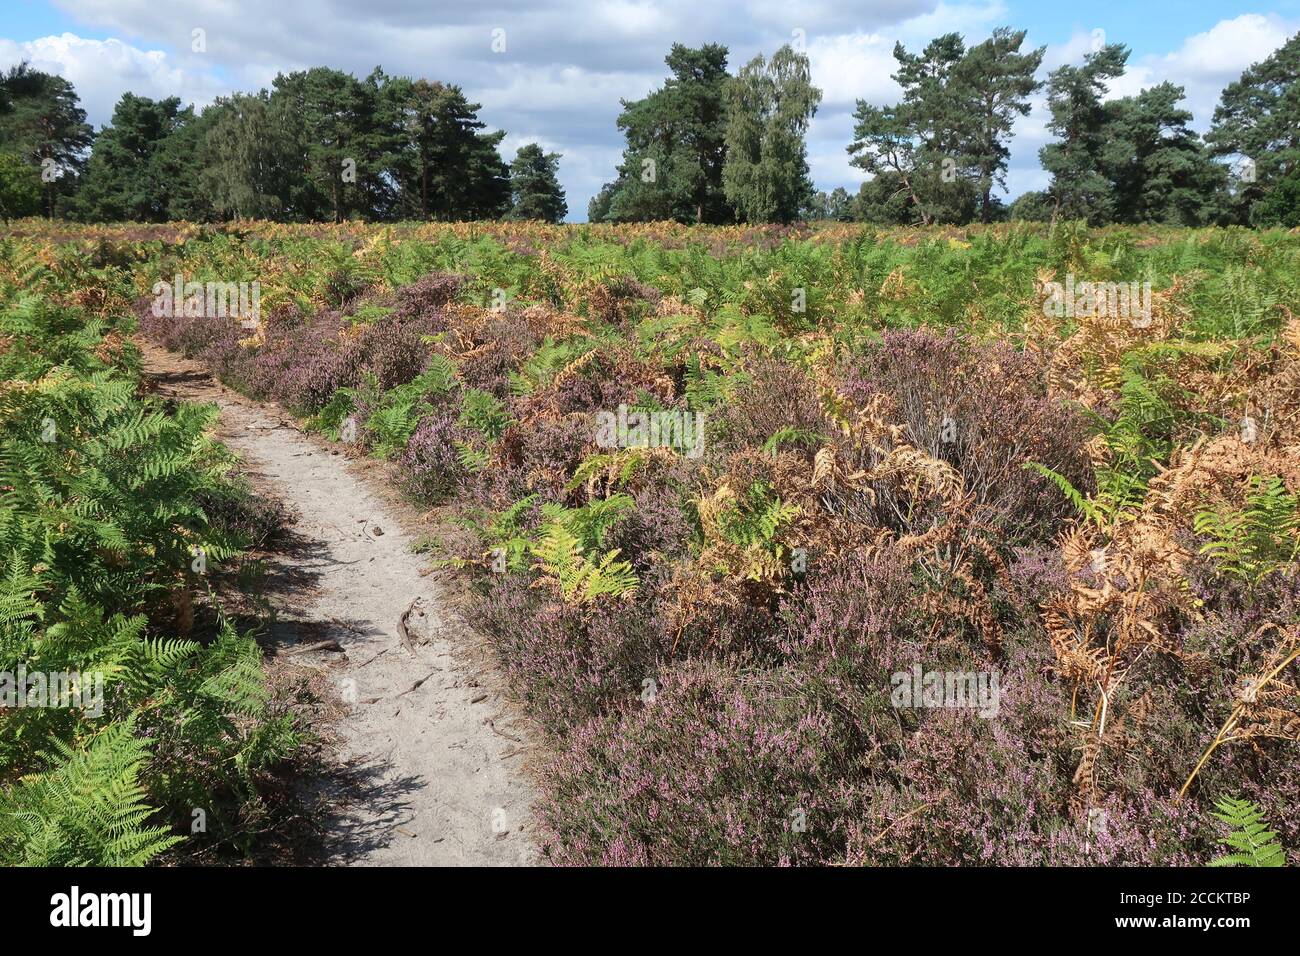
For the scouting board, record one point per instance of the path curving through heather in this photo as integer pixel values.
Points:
(429, 763)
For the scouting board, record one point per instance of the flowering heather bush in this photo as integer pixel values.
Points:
(431, 466)
(1226, 649)
(622, 299)
(853, 621)
(722, 763)
(394, 351)
(721, 767)
(537, 459)
(547, 451)
(567, 664)
(658, 525)
(310, 367)
(424, 299)
(607, 379)
(1036, 572)
(780, 396)
(503, 344)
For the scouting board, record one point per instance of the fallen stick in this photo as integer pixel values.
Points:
(403, 632)
(330, 645)
(416, 685)
(373, 659)
(501, 733)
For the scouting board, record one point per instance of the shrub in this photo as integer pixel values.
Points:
(569, 663)
(985, 411)
(719, 766)
(431, 466)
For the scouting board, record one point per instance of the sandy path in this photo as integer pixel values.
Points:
(432, 775)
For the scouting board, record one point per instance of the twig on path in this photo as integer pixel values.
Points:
(373, 659)
(403, 632)
(330, 645)
(501, 733)
(416, 686)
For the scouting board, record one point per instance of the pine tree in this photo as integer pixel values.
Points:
(444, 166)
(994, 81)
(45, 125)
(1080, 188)
(672, 163)
(1157, 166)
(121, 181)
(20, 188)
(944, 147)
(330, 112)
(534, 187)
(1258, 121)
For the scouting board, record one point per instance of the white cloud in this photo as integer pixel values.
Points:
(102, 70)
(971, 20)
(851, 67)
(1209, 61)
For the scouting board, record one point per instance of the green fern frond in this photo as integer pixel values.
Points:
(1254, 843)
(580, 580)
(1078, 499)
(89, 810)
(1261, 538)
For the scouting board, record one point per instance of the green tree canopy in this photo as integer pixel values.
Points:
(20, 187)
(445, 167)
(1080, 188)
(248, 160)
(535, 186)
(945, 146)
(769, 106)
(673, 158)
(884, 200)
(331, 115)
(1158, 168)
(836, 205)
(123, 180)
(994, 82)
(1258, 121)
(1131, 160)
(44, 124)
(1281, 204)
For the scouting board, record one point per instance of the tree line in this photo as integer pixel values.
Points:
(319, 145)
(708, 146)
(938, 155)
(712, 147)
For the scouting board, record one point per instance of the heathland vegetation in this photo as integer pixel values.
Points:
(945, 533)
(807, 546)
(133, 710)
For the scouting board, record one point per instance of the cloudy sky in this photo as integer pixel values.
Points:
(565, 65)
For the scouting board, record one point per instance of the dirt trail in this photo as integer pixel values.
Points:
(432, 775)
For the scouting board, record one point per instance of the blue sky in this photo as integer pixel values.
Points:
(565, 65)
